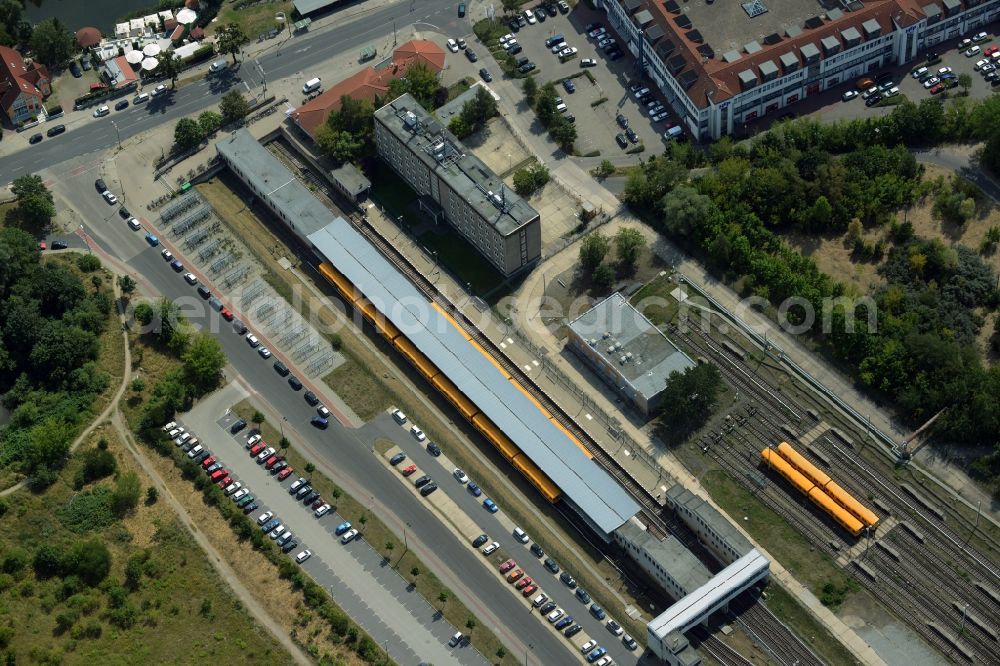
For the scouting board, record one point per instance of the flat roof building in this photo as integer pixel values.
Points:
(723, 65)
(627, 351)
(714, 530)
(457, 187)
(667, 560)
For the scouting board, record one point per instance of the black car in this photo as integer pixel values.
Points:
(873, 100)
(572, 631)
(570, 118)
(124, 213)
(35, 138)
(480, 540)
(428, 489)
(290, 546)
(551, 565)
(614, 54)
(311, 398)
(884, 77)
(311, 497)
(540, 15)
(551, 9)
(433, 449)
(521, 21)
(250, 508)
(526, 67)
(569, 85)
(485, 75)
(621, 120)
(236, 427)
(303, 491)
(204, 292)
(398, 458)
(582, 595)
(632, 136)
(537, 551)
(100, 185)
(514, 25)
(55, 131)
(547, 608)
(177, 266)
(422, 481)
(59, 245)
(567, 579)
(281, 368)
(278, 466)
(523, 61)
(514, 49)
(75, 69)
(239, 327)
(121, 105)
(294, 382)
(622, 141)
(471, 55)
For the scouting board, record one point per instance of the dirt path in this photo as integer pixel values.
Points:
(222, 568)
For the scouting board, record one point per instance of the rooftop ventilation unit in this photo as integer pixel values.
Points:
(411, 121)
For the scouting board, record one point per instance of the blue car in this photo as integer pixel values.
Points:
(270, 525)
(320, 422)
(152, 240)
(596, 654)
(490, 505)
(341, 528)
(474, 489)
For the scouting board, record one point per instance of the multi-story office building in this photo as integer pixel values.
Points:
(723, 65)
(456, 187)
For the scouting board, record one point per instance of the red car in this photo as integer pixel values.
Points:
(529, 590)
(523, 583)
(271, 461)
(42, 245)
(218, 474)
(285, 473)
(208, 462)
(225, 482)
(507, 566)
(514, 575)
(408, 470)
(936, 89)
(318, 503)
(226, 314)
(990, 50)
(257, 448)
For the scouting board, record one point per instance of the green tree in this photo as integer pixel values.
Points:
(563, 133)
(257, 418)
(685, 210)
(341, 146)
(604, 277)
(51, 42)
(233, 106)
(422, 84)
(126, 495)
(443, 597)
(629, 243)
(605, 169)
(688, 400)
(152, 495)
(203, 362)
(97, 464)
(530, 179)
(143, 313)
(459, 127)
(188, 133)
(127, 285)
(34, 201)
(965, 81)
(231, 38)
(511, 6)
(415, 571)
(471, 623)
(11, 16)
(89, 560)
(545, 103)
(310, 468)
(170, 66)
(209, 121)
(593, 249)
(821, 214)
(530, 88)
(349, 131)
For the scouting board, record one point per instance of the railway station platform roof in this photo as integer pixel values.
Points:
(707, 599)
(591, 490)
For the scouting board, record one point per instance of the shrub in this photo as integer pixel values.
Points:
(88, 263)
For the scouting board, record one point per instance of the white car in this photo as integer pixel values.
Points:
(964, 44)
(556, 48)
(567, 52)
(253, 439)
(418, 434)
(980, 37)
(506, 38)
(158, 90)
(554, 615)
(931, 82)
(240, 494)
(109, 197)
(134, 224)
(320, 512)
(588, 62)
(657, 117)
(170, 426)
(167, 254)
(460, 475)
(944, 70)
(398, 416)
(102, 111)
(276, 532)
(607, 43)
(892, 92)
(190, 278)
(849, 95)
(323, 411)
(175, 432)
(917, 73)
(264, 352)
(349, 535)
(232, 488)
(452, 45)
(252, 340)
(529, 16)
(264, 517)
(303, 556)
(974, 51)
(461, 43)
(265, 454)
(979, 65)
(588, 646)
(599, 32)
(488, 550)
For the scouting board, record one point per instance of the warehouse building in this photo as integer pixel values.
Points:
(456, 187)
(714, 530)
(723, 65)
(627, 351)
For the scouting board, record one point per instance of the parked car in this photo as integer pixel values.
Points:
(303, 556)
(490, 505)
(396, 459)
(121, 105)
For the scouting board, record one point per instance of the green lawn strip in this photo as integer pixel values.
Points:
(358, 511)
(358, 387)
(815, 634)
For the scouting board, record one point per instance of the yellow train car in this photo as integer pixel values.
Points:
(835, 511)
(538, 478)
(386, 328)
(853, 506)
(366, 308)
(495, 436)
(785, 469)
(414, 356)
(458, 400)
(337, 279)
(799, 462)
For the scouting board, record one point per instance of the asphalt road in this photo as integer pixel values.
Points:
(354, 465)
(298, 56)
(385, 427)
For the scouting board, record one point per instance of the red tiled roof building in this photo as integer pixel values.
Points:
(23, 88)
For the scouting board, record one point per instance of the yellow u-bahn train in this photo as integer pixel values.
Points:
(447, 388)
(820, 478)
(815, 493)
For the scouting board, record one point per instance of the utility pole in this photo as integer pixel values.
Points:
(979, 507)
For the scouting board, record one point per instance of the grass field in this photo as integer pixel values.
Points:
(254, 19)
(61, 620)
(359, 388)
(383, 540)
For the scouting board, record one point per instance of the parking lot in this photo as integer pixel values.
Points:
(608, 80)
